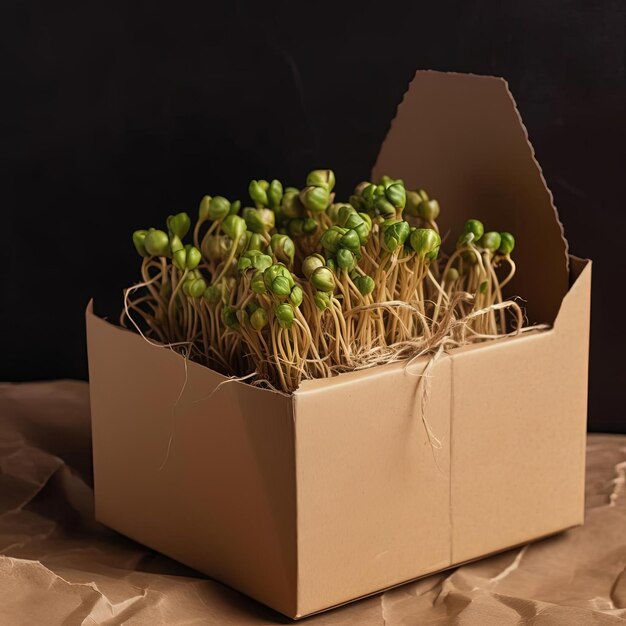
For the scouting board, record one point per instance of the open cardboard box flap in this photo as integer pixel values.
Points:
(461, 138)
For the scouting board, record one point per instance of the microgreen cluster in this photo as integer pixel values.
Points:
(296, 284)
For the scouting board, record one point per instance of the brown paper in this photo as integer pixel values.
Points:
(58, 566)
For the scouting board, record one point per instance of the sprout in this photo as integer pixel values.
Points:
(258, 319)
(358, 200)
(219, 208)
(255, 259)
(346, 260)
(344, 212)
(365, 284)
(215, 247)
(387, 181)
(187, 258)
(367, 219)
(333, 212)
(262, 261)
(175, 244)
(322, 300)
(156, 243)
(212, 294)
(283, 248)
(417, 205)
(425, 242)
(278, 270)
(284, 314)
(291, 206)
(280, 286)
(258, 220)
(354, 220)
(295, 227)
(507, 243)
(368, 195)
(315, 199)
(296, 296)
(203, 209)
(258, 192)
(490, 241)
(331, 238)
(179, 224)
(474, 227)
(242, 244)
(350, 241)
(361, 187)
(234, 207)
(275, 194)
(234, 226)
(428, 210)
(396, 195)
(309, 226)
(229, 317)
(363, 231)
(254, 242)
(452, 275)
(384, 208)
(331, 264)
(347, 217)
(302, 227)
(395, 234)
(196, 288)
(139, 238)
(412, 201)
(469, 257)
(321, 178)
(311, 263)
(323, 279)
(242, 317)
(257, 283)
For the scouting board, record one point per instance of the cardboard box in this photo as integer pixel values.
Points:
(308, 501)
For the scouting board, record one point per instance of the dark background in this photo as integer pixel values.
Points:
(115, 114)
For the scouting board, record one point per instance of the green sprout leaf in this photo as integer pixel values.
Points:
(139, 238)
(507, 243)
(315, 199)
(323, 279)
(156, 243)
(321, 178)
(491, 241)
(179, 224)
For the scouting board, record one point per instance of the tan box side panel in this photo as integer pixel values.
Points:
(518, 432)
(223, 500)
(373, 496)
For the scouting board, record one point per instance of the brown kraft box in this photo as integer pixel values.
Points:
(308, 501)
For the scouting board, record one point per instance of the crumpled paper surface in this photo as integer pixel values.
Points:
(58, 566)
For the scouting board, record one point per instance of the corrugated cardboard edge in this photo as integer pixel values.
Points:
(521, 122)
(461, 137)
(540, 171)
